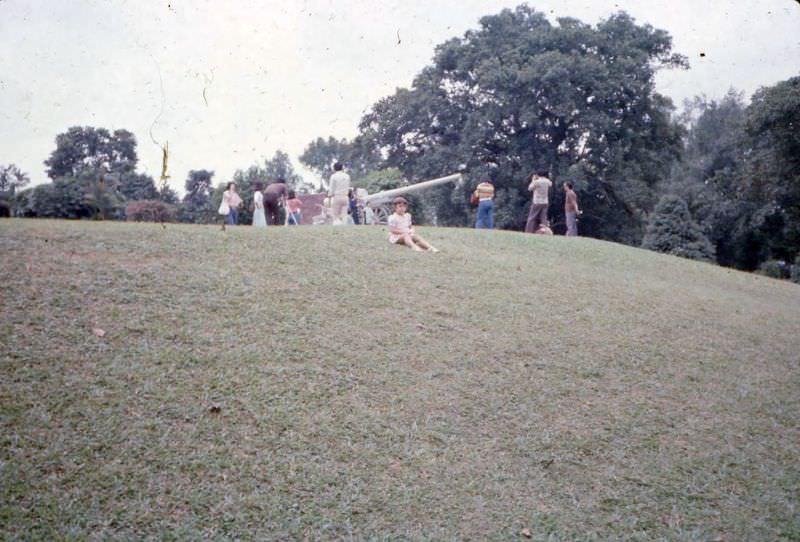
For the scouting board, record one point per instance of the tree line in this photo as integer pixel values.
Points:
(719, 182)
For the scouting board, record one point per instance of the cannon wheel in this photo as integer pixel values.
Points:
(380, 215)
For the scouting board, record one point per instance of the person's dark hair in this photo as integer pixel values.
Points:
(230, 184)
(281, 180)
(291, 194)
(338, 166)
(568, 184)
(537, 173)
(486, 180)
(258, 186)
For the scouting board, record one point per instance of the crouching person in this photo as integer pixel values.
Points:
(401, 231)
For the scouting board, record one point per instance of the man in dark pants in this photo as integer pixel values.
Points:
(273, 195)
(540, 186)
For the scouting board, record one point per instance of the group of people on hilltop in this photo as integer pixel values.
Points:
(537, 222)
(266, 205)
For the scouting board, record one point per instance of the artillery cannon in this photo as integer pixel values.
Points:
(379, 204)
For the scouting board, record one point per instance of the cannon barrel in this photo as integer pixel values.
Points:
(388, 194)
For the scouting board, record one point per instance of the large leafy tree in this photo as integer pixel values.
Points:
(196, 204)
(521, 93)
(280, 167)
(85, 148)
(85, 195)
(707, 175)
(11, 179)
(320, 155)
(359, 156)
(741, 174)
(137, 186)
(771, 174)
(92, 171)
(168, 195)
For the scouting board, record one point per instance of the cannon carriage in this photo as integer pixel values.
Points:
(376, 208)
(380, 203)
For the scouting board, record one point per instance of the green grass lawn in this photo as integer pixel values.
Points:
(316, 383)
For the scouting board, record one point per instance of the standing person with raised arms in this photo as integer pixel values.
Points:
(338, 187)
(540, 186)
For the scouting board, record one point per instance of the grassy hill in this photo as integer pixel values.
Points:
(317, 383)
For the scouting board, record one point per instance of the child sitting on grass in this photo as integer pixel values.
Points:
(401, 231)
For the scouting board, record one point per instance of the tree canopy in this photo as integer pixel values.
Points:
(358, 156)
(196, 206)
(521, 93)
(83, 148)
(12, 178)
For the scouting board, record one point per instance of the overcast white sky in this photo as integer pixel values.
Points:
(278, 74)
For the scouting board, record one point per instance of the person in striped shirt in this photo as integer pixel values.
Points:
(485, 194)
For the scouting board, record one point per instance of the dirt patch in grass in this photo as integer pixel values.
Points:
(247, 389)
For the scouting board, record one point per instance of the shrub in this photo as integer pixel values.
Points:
(5, 208)
(672, 230)
(777, 269)
(150, 210)
(795, 272)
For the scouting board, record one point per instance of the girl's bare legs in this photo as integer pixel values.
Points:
(408, 241)
(424, 244)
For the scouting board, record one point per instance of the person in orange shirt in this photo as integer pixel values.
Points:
(485, 194)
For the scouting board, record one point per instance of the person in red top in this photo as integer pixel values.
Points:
(571, 209)
(293, 206)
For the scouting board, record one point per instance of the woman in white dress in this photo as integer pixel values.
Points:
(259, 218)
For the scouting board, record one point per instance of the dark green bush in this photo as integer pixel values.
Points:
(672, 230)
(777, 269)
(795, 271)
(150, 210)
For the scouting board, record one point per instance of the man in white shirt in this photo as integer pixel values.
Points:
(338, 187)
(540, 186)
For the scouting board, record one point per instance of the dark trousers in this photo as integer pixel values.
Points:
(273, 212)
(233, 216)
(536, 217)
